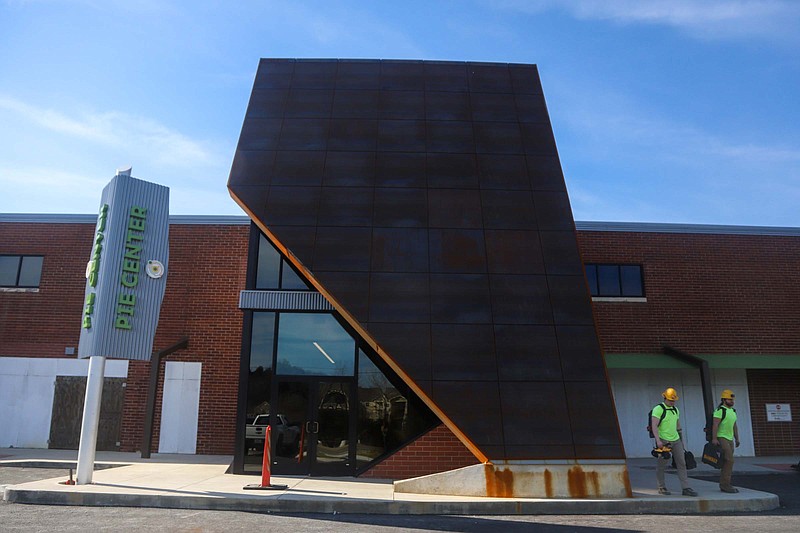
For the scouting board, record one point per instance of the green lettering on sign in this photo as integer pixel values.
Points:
(93, 269)
(131, 267)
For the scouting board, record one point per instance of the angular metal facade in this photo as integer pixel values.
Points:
(426, 201)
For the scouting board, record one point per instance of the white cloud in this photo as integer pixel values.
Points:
(770, 19)
(60, 161)
(50, 189)
(140, 137)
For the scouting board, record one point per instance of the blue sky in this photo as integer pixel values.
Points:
(663, 111)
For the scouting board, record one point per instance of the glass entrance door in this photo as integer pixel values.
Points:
(312, 428)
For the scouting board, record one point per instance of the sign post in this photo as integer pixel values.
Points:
(125, 281)
(91, 419)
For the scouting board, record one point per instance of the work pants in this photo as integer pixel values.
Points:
(727, 467)
(680, 464)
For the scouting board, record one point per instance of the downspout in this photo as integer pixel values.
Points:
(705, 382)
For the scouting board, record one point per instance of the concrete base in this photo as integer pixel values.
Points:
(563, 479)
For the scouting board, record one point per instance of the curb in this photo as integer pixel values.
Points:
(66, 465)
(285, 503)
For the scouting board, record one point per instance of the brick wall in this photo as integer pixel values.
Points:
(436, 451)
(44, 323)
(207, 267)
(705, 293)
(775, 386)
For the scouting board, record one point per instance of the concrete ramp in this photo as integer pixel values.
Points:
(556, 479)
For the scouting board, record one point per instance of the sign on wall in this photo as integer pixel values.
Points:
(126, 272)
(779, 412)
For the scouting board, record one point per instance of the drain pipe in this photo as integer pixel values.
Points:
(152, 389)
(705, 382)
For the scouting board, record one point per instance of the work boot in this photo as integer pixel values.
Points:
(663, 491)
(729, 490)
(689, 492)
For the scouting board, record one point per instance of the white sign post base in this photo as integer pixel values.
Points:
(91, 419)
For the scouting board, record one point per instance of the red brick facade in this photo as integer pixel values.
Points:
(436, 451)
(711, 294)
(207, 270)
(44, 323)
(728, 294)
(207, 266)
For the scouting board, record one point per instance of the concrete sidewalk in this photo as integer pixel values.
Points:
(200, 482)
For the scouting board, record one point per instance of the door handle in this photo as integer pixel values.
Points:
(312, 427)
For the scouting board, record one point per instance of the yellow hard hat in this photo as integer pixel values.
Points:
(670, 394)
(727, 394)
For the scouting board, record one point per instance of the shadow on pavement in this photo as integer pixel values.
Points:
(785, 485)
(465, 524)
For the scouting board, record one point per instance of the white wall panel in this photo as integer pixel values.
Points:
(180, 408)
(11, 385)
(636, 391)
(28, 386)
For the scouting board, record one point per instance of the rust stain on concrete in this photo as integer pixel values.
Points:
(582, 483)
(499, 483)
(626, 481)
(548, 483)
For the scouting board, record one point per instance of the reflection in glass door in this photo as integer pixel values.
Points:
(312, 428)
(289, 442)
(332, 404)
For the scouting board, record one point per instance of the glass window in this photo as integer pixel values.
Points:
(259, 387)
(290, 280)
(388, 415)
(314, 344)
(631, 280)
(274, 272)
(615, 280)
(608, 280)
(9, 268)
(20, 270)
(262, 341)
(269, 264)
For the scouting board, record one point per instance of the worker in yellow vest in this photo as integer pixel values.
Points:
(724, 434)
(666, 426)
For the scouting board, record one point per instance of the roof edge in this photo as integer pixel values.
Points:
(631, 227)
(50, 218)
(711, 229)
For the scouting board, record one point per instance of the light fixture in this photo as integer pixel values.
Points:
(328, 357)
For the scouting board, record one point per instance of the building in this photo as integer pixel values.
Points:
(724, 293)
(423, 206)
(409, 295)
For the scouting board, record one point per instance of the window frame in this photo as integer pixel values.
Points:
(20, 262)
(591, 271)
(280, 269)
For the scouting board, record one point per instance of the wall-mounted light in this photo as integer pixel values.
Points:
(328, 357)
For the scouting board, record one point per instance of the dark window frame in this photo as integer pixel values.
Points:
(20, 262)
(284, 277)
(593, 280)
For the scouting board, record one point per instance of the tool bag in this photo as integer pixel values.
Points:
(691, 462)
(712, 455)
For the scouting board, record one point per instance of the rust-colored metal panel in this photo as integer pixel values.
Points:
(426, 201)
